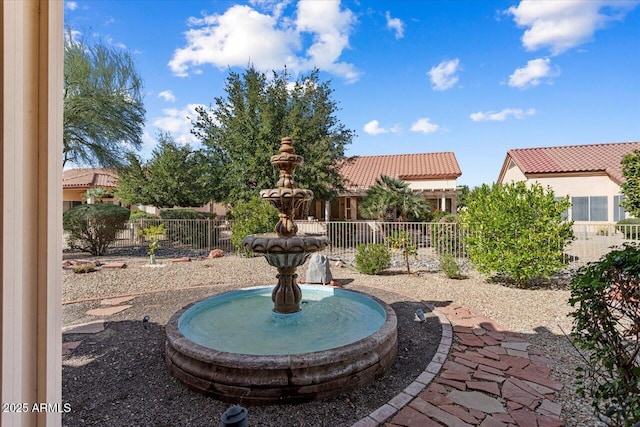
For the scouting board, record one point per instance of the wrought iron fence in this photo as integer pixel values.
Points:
(591, 242)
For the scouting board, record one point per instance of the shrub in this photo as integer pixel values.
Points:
(253, 216)
(93, 228)
(188, 232)
(152, 234)
(372, 258)
(137, 214)
(630, 227)
(516, 230)
(450, 267)
(606, 295)
(85, 268)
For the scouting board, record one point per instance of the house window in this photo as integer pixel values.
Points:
(592, 208)
(618, 211)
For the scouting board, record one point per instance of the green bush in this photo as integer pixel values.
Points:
(252, 217)
(403, 241)
(450, 267)
(372, 258)
(516, 230)
(630, 227)
(606, 295)
(136, 215)
(188, 232)
(93, 228)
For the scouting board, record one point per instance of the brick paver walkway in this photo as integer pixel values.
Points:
(489, 378)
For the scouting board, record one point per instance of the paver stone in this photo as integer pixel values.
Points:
(477, 400)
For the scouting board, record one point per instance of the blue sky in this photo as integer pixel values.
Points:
(410, 76)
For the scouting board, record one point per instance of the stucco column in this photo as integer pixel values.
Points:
(31, 218)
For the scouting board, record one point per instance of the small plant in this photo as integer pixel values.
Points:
(252, 217)
(372, 258)
(602, 231)
(606, 295)
(153, 234)
(85, 268)
(450, 267)
(402, 241)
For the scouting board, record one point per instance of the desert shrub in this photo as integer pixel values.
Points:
(85, 268)
(93, 228)
(402, 241)
(630, 227)
(253, 216)
(372, 258)
(606, 295)
(516, 230)
(183, 230)
(450, 267)
(153, 233)
(137, 214)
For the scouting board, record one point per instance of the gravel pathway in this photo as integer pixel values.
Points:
(540, 314)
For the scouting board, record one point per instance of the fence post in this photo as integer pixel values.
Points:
(209, 232)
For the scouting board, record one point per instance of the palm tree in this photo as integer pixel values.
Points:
(391, 199)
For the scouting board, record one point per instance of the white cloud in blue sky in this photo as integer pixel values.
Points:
(500, 116)
(533, 74)
(443, 76)
(424, 125)
(71, 5)
(396, 25)
(563, 24)
(269, 40)
(373, 128)
(167, 95)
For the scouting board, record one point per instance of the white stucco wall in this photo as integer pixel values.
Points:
(432, 184)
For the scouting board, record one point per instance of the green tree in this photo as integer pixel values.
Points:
(103, 108)
(96, 193)
(175, 175)
(252, 216)
(391, 199)
(631, 187)
(516, 230)
(244, 128)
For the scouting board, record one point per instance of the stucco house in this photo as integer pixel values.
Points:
(75, 182)
(591, 175)
(434, 174)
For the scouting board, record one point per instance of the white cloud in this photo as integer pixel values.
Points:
(243, 35)
(424, 125)
(71, 5)
(501, 115)
(167, 95)
(563, 24)
(374, 128)
(443, 76)
(178, 123)
(532, 74)
(396, 25)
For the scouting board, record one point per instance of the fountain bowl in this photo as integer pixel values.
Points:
(259, 379)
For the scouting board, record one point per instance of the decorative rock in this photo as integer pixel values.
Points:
(216, 253)
(115, 265)
(115, 301)
(68, 346)
(183, 259)
(319, 271)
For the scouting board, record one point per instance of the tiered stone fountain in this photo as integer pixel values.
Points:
(233, 348)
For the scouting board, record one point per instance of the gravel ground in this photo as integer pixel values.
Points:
(540, 314)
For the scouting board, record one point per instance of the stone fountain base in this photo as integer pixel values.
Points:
(281, 379)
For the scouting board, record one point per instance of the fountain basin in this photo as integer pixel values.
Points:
(281, 376)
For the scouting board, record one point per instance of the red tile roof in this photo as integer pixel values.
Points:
(364, 170)
(604, 158)
(89, 177)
